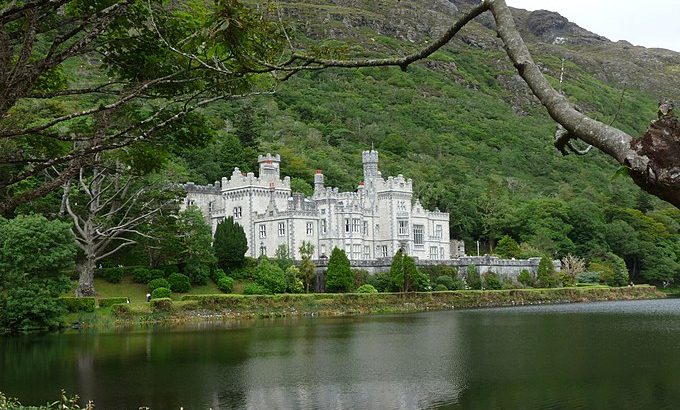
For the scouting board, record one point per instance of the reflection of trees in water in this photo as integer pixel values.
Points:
(412, 361)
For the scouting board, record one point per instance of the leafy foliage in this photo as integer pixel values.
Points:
(179, 283)
(339, 276)
(160, 293)
(158, 283)
(472, 277)
(270, 276)
(545, 275)
(492, 281)
(230, 244)
(366, 288)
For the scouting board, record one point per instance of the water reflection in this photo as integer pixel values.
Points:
(617, 355)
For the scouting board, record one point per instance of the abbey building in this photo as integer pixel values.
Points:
(371, 223)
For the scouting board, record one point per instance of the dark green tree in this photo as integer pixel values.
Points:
(472, 277)
(525, 278)
(230, 245)
(545, 275)
(507, 248)
(339, 276)
(35, 254)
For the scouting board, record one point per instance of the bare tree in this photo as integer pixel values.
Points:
(107, 206)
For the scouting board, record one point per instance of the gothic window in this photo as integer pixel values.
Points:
(401, 205)
(323, 226)
(438, 232)
(365, 231)
(237, 212)
(190, 202)
(211, 205)
(263, 250)
(441, 253)
(323, 249)
(367, 252)
(347, 224)
(433, 252)
(403, 227)
(418, 234)
(282, 228)
(377, 229)
(355, 225)
(310, 228)
(384, 251)
(263, 231)
(356, 252)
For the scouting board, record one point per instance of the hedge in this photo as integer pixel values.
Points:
(73, 304)
(106, 302)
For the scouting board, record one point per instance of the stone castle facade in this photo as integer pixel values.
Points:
(371, 223)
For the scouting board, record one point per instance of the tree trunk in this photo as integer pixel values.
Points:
(86, 269)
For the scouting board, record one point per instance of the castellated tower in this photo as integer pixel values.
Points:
(269, 166)
(318, 180)
(370, 161)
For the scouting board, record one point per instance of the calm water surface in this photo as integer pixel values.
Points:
(620, 355)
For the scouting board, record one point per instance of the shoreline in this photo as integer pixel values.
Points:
(230, 307)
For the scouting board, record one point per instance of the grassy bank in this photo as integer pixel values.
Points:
(222, 306)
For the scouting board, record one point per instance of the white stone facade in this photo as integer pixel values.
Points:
(371, 223)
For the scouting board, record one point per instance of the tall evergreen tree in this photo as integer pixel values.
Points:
(230, 245)
(405, 275)
(545, 276)
(339, 274)
(507, 248)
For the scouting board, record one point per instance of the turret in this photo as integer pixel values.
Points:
(269, 166)
(318, 180)
(371, 174)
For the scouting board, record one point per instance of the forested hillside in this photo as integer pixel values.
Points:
(464, 126)
(101, 140)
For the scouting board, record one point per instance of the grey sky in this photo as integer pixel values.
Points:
(649, 23)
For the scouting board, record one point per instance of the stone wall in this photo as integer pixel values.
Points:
(504, 267)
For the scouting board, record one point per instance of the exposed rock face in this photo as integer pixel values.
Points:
(417, 22)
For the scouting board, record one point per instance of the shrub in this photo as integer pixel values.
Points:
(197, 272)
(73, 304)
(435, 271)
(366, 288)
(158, 283)
(492, 281)
(360, 277)
(270, 276)
(525, 278)
(440, 288)
(444, 280)
(179, 283)
(217, 273)
(381, 281)
(225, 284)
(474, 281)
(141, 275)
(163, 304)
(120, 309)
(113, 275)
(105, 302)
(253, 288)
(160, 293)
(588, 277)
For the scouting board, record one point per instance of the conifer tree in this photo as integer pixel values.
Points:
(545, 276)
(230, 245)
(339, 274)
(507, 248)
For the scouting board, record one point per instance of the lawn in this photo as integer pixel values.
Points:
(137, 292)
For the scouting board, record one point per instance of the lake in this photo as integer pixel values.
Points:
(619, 355)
